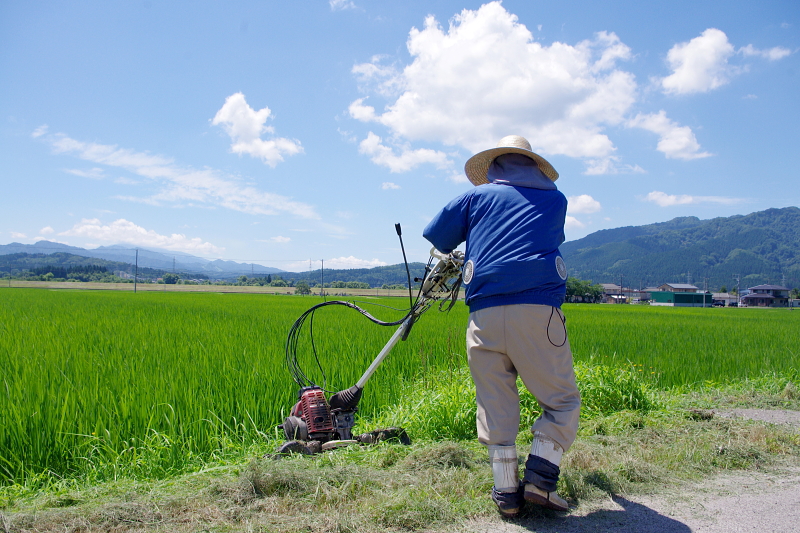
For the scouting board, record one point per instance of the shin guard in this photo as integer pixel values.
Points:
(504, 467)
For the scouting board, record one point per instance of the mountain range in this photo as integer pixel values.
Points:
(762, 247)
(148, 258)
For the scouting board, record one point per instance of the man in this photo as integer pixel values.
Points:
(515, 279)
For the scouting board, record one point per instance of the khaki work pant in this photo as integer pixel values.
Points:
(529, 340)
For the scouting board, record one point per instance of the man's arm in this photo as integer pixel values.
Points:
(448, 229)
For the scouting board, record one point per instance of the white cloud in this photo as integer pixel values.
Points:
(611, 165)
(702, 64)
(408, 159)
(353, 262)
(667, 200)
(583, 204)
(280, 239)
(94, 173)
(675, 141)
(124, 231)
(17, 235)
(458, 177)
(699, 65)
(389, 185)
(47, 230)
(362, 112)
(338, 5)
(181, 186)
(773, 54)
(244, 125)
(573, 223)
(560, 97)
(750, 97)
(38, 132)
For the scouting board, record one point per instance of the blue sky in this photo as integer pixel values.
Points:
(291, 132)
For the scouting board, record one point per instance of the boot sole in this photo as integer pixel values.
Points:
(508, 513)
(544, 502)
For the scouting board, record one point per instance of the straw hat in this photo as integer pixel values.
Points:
(478, 165)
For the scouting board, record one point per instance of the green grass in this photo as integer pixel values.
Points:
(107, 385)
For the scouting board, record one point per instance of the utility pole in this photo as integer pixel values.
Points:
(136, 272)
(738, 292)
(705, 290)
(620, 288)
(322, 273)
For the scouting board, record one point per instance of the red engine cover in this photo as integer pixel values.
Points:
(316, 412)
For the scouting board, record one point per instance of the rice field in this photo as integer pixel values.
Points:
(150, 381)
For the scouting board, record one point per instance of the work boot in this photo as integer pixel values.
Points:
(508, 503)
(542, 471)
(551, 500)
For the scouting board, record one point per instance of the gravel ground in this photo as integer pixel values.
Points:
(771, 416)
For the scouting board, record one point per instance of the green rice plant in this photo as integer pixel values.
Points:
(114, 383)
(105, 384)
(686, 346)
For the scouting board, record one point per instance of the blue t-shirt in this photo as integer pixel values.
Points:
(512, 234)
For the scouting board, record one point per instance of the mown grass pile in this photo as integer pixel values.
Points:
(102, 385)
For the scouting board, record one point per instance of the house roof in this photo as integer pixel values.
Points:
(680, 285)
(768, 288)
(761, 296)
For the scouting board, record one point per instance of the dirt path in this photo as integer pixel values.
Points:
(763, 502)
(753, 501)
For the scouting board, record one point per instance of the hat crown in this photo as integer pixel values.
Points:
(514, 141)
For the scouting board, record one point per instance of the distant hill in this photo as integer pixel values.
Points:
(376, 276)
(761, 247)
(148, 258)
(64, 262)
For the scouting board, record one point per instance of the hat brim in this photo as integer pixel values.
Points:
(477, 167)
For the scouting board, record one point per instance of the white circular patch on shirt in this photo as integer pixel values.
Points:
(561, 267)
(468, 271)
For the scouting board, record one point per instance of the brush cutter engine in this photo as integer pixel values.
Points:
(312, 419)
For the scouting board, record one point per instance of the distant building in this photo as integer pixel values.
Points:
(766, 296)
(724, 298)
(680, 295)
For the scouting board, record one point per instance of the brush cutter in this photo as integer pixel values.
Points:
(317, 423)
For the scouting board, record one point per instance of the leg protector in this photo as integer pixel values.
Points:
(504, 467)
(541, 473)
(542, 467)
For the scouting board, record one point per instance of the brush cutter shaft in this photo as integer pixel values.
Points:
(385, 351)
(434, 287)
